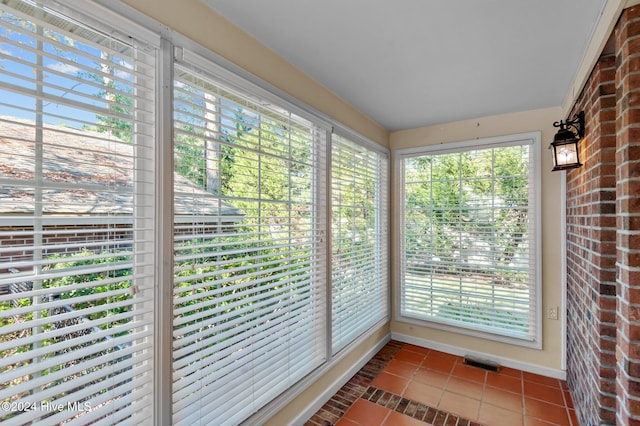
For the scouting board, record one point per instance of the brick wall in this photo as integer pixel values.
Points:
(627, 36)
(16, 242)
(591, 253)
(603, 240)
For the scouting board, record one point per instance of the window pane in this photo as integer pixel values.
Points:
(359, 240)
(248, 285)
(469, 229)
(76, 217)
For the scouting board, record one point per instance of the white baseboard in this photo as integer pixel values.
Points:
(506, 362)
(314, 406)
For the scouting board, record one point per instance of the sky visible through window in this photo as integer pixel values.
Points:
(73, 74)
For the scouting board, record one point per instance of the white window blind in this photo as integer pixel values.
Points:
(469, 237)
(249, 280)
(359, 240)
(76, 221)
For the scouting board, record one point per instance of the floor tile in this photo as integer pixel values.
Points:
(545, 411)
(530, 421)
(390, 382)
(440, 361)
(367, 413)
(506, 371)
(421, 383)
(346, 422)
(537, 378)
(397, 419)
(574, 418)
(567, 399)
(502, 398)
(431, 377)
(469, 373)
(543, 392)
(459, 404)
(418, 349)
(428, 395)
(465, 387)
(400, 368)
(410, 357)
(506, 382)
(491, 415)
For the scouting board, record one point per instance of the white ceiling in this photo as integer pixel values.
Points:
(413, 63)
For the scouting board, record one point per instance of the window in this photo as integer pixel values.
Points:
(125, 284)
(359, 272)
(76, 251)
(469, 254)
(249, 304)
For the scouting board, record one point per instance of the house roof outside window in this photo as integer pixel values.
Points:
(91, 178)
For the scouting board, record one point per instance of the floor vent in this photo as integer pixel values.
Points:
(481, 363)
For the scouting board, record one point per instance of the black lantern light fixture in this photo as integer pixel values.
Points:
(565, 143)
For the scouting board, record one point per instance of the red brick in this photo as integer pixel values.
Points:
(608, 416)
(633, 371)
(628, 27)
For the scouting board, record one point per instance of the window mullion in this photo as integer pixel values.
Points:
(325, 186)
(459, 225)
(164, 237)
(38, 207)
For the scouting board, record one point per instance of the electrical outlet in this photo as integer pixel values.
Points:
(552, 312)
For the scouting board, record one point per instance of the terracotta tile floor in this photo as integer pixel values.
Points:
(409, 385)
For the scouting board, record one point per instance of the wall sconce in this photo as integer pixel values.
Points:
(565, 143)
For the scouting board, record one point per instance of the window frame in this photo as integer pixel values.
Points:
(400, 155)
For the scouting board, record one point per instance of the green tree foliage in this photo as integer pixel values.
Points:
(263, 166)
(98, 295)
(120, 105)
(462, 204)
(466, 224)
(113, 278)
(203, 147)
(354, 208)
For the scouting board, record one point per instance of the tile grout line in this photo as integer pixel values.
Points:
(565, 402)
(484, 388)
(566, 405)
(524, 400)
